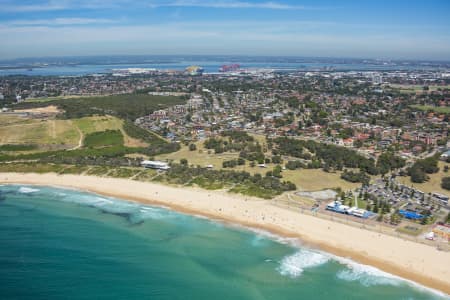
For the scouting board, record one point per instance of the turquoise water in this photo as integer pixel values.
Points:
(65, 244)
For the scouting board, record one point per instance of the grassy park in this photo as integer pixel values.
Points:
(433, 184)
(46, 133)
(92, 124)
(50, 133)
(414, 88)
(305, 179)
(440, 109)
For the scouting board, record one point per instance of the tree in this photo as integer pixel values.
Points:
(425, 220)
(395, 218)
(418, 175)
(421, 167)
(355, 177)
(375, 208)
(442, 142)
(192, 147)
(184, 161)
(350, 202)
(229, 163)
(445, 183)
(358, 143)
(277, 171)
(388, 161)
(276, 159)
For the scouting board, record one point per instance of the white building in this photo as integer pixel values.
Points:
(151, 164)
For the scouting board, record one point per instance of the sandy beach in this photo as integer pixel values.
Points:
(414, 261)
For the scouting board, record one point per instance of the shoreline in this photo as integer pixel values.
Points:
(413, 261)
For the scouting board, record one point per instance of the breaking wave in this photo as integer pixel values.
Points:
(294, 265)
(370, 276)
(364, 274)
(27, 190)
(261, 236)
(135, 213)
(291, 265)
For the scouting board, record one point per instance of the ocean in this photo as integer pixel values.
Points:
(68, 244)
(209, 66)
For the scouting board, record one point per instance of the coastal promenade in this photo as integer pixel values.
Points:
(365, 224)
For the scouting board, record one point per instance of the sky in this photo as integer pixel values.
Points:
(394, 29)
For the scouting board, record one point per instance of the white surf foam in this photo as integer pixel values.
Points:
(370, 276)
(261, 234)
(152, 213)
(27, 190)
(364, 274)
(294, 265)
(135, 213)
(94, 201)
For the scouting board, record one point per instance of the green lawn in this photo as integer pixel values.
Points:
(13, 147)
(317, 179)
(438, 109)
(98, 123)
(200, 156)
(101, 139)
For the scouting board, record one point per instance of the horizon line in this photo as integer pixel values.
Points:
(231, 55)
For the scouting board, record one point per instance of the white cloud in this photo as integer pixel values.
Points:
(224, 4)
(61, 21)
(53, 5)
(202, 38)
(58, 5)
(32, 8)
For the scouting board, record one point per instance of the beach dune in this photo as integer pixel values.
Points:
(414, 261)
